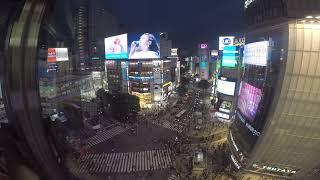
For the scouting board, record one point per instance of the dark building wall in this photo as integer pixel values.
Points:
(287, 118)
(285, 141)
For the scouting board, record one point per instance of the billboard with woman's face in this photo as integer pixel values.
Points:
(116, 47)
(144, 46)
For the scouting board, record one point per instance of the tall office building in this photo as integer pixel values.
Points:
(81, 34)
(102, 24)
(203, 53)
(277, 126)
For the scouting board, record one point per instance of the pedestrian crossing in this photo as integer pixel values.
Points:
(172, 177)
(105, 134)
(124, 162)
(170, 125)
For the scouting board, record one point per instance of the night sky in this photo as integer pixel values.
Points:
(188, 22)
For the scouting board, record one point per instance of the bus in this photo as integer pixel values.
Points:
(180, 113)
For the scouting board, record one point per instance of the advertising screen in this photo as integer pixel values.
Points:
(256, 53)
(230, 56)
(57, 55)
(226, 87)
(174, 52)
(203, 46)
(144, 45)
(214, 53)
(249, 100)
(116, 47)
(225, 41)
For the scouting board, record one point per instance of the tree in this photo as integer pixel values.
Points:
(182, 90)
(204, 84)
(125, 107)
(184, 80)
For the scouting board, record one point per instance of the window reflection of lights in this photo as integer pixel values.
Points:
(317, 17)
(312, 26)
(309, 17)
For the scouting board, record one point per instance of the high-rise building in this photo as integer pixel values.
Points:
(203, 53)
(276, 131)
(151, 80)
(81, 34)
(102, 24)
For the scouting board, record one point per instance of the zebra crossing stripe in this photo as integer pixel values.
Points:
(162, 159)
(172, 177)
(118, 165)
(107, 162)
(140, 161)
(112, 160)
(124, 162)
(82, 166)
(105, 135)
(121, 163)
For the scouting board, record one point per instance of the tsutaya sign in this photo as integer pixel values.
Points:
(275, 169)
(247, 3)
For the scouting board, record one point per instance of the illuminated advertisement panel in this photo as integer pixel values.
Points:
(57, 55)
(144, 45)
(249, 100)
(203, 46)
(256, 53)
(116, 47)
(174, 52)
(214, 53)
(225, 41)
(226, 87)
(230, 56)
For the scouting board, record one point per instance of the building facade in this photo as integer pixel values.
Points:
(151, 80)
(277, 131)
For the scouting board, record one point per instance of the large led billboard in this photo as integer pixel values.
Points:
(57, 55)
(116, 47)
(230, 56)
(144, 45)
(256, 53)
(249, 100)
(226, 87)
(225, 41)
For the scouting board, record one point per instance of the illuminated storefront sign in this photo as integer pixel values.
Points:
(275, 169)
(226, 87)
(167, 84)
(234, 144)
(203, 46)
(239, 41)
(222, 115)
(214, 53)
(174, 52)
(235, 162)
(57, 55)
(254, 131)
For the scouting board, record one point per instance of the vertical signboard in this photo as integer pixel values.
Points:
(157, 82)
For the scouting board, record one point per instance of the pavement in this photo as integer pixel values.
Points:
(144, 150)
